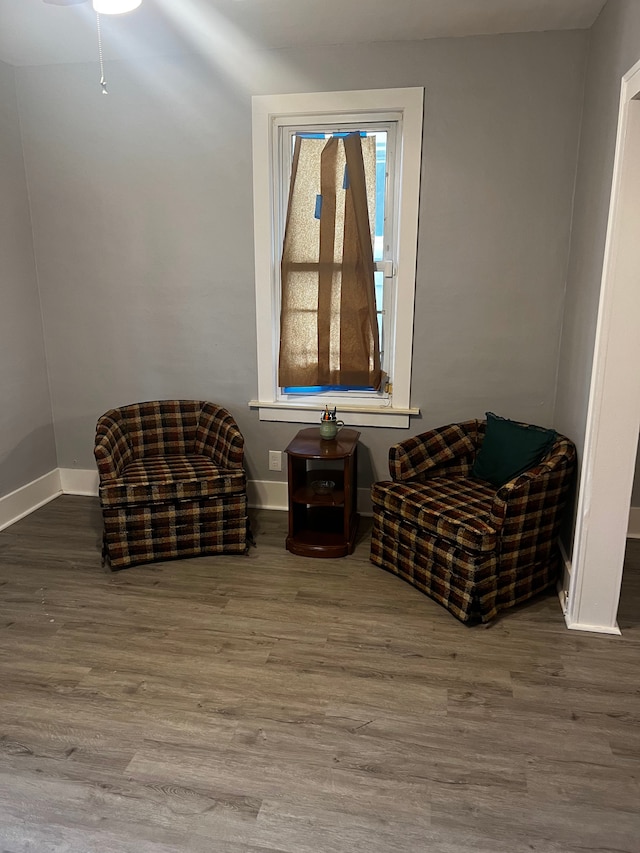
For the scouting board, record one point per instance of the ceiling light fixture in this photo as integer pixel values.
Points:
(101, 7)
(115, 7)
(109, 7)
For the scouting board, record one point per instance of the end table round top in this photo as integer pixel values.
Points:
(309, 445)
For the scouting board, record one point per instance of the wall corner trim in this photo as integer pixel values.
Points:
(564, 582)
(594, 629)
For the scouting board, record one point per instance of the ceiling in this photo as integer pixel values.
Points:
(33, 33)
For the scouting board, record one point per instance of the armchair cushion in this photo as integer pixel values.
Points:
(157, 479)
(456, 509)
(509, 448)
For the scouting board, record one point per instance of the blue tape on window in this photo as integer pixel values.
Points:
(337, 135)
(318, 211)
(318, 389)
(345, 178)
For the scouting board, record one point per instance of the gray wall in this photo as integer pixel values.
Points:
(142, 213)
(27, 446)
(614, 48)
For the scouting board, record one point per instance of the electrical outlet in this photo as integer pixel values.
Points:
(275, 460)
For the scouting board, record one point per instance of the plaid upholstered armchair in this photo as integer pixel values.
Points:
(471, 546)
(171, 482)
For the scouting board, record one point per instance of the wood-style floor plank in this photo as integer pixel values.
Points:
(275, 704)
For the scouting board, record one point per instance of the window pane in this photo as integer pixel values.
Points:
(379, 285)
(381, 175)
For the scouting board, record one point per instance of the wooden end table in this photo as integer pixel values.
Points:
(322, 525)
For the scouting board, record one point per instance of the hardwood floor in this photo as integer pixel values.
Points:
(277, 704)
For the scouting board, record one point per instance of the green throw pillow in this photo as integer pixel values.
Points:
(509, 449)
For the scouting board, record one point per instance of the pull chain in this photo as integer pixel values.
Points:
(103, 82)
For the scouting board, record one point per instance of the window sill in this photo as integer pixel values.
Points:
(358, 416)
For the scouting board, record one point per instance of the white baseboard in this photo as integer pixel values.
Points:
(593, 629)
(267, 494)
(27, 498)
(633, 531)
(565, 581)
(79, 481)
(262, 494)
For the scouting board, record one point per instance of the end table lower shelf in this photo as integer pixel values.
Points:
(321, 533)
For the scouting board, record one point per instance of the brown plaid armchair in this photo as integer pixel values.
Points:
(472, 547)
(171, 482)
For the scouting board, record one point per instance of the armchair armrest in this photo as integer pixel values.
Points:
(449, 449)
(219, 438)
(540, 488)
(112, 449)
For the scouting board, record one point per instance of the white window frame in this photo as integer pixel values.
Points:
(270, 112)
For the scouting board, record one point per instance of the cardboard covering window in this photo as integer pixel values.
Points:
(328, 322)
